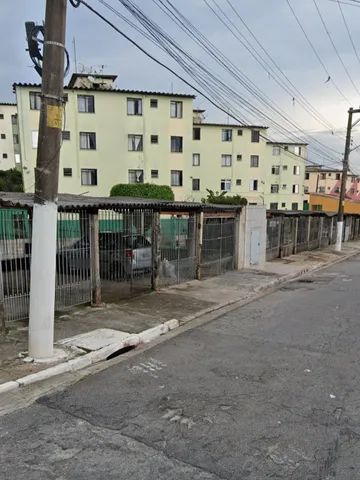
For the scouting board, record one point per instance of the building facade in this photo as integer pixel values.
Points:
(328, 181)
(9, 137)
(115, 136)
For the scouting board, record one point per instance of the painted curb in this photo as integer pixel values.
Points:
(8, 386)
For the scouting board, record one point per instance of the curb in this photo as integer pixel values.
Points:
(153, 333)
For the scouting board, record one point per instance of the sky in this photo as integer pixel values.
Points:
(100, 49)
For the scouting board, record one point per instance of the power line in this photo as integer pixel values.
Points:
(348, 31)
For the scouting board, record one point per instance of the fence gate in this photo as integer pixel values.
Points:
(218, 248)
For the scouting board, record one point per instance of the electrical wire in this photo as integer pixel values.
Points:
(348, 31)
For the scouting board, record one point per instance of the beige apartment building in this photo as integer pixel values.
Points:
(9, 137)
(115, 136)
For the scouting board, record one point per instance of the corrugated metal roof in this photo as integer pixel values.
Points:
(286, 143)
(115, 90)
(230, 125)
(71, 202)
(8, 104)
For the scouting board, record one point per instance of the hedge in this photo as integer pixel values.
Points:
(142, 190)
(11, 181)
(222, 198)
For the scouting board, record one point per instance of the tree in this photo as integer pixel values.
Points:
(224, 199)
(11, 181)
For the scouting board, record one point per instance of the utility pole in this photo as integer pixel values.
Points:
(340, 217)
(42, 286)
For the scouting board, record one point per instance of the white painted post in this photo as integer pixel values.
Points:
(339, 235)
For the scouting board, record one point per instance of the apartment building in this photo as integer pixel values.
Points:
(122, 136)
(327, 181)
(9, 137)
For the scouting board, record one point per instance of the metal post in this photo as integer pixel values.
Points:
(95, 259)
(42, 292)
(199, 242)
(155, 251)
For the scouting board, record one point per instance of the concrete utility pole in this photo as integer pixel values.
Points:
(340, 218)
(42, 286)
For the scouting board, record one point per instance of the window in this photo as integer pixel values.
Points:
(338, 176)
(283, 205)
(67, 172)
(240, 132)
(196, 160)
(285, 167)
(321, 189)
(15, 139)
(306, 189)
(255, 136)
(196, 184)
(87, 141)
(295, 189)
(134, 106)
(316, 208)
(239, 158)
(294, 206)
(196, 133)
(66, 97)
(154, 173)
(154, 139)
(176, 144)
(254, 161)
(253, 185)
(66, 134)
(307, 176)
(225, 185)
(274, 206)
(226, 160)
(275, 170)
(286, 148)
(353, 179)
(153, 103)
(284, 186)
(329, 174)
(35, 100)
(323, 176)
(274, 188)
(17, 158)
(1, 116)
(3, 136)
(297, 150)
(176, 109)
(226, 135)
(136, 176)
(14, 119)
(336, 190)
(4, 155)
(88, 176)
(276, 151)
(34, 138)
(135, 143)
(176, 178)
(238, 182)
(86, 103)
(296, 170)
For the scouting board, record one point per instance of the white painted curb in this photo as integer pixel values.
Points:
(8, 386)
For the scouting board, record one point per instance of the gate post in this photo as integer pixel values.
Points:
(308, 232)
(155, 250)
(95, 259)
(199, 242)
(321, 227)
(295, 235)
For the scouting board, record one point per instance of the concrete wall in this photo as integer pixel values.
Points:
(7, 147)
(252, 238)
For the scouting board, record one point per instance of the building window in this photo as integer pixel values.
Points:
(34, 138)
(66, 97)
(225, 185)
(336, 190)
(176, 144)
(17, 158)
(297, 151)
(176, 178)
(307, 176)
(88, 176)
(286, 148)
(274, 206)
(238, 158)
(14, 119)
(86, 103)
(296, 170)
(255, 136)
(154, 173)
(321, 190)
(35, 100)
(323, 176)
(283, 205)
(285, 167)
(1, 116)
(295, 206)
(196, 184)
(15, 139)
(276, 151)
(338, 176)
(254, 161)
(353, 179)
(135, 143)
(66, 134)
(329, 174)
(306, 189)
(239, 132)
(238, 182)
(134, 106)
(275, 170)
(87, 141)
(196, 133)
(136, 176)
(4, 155)
(3, 136)
(253, 185)
(153, 103)
(154, 139)
(295, 189)
(226, 135)
(176, 109)
(67, 172)
(196, 159)
(274, 188)
(226, 160)
(284, 186)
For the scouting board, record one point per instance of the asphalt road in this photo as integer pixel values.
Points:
(268, 391)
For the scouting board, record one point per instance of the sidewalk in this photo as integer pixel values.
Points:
(182, 302)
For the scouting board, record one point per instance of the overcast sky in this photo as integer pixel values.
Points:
(270, 20)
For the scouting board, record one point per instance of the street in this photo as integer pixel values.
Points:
(267, 391)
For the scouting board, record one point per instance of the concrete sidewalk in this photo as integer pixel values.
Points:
(183, 302)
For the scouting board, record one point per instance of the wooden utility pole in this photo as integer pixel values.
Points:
(42, 287)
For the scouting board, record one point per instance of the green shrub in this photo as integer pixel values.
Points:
(142, 190)
(11, 181)
(222, 198)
